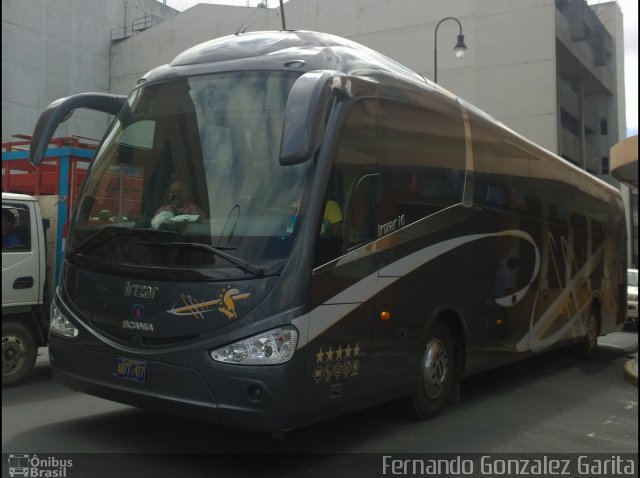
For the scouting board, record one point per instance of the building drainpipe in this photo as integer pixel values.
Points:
(583, 147)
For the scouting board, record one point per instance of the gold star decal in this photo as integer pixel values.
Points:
(348, 351)
(339, 352)
(319, 356)
(356, 350)
(330, 354)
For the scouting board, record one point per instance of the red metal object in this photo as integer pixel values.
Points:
(72, 141)
(19, 176)
(120, 192)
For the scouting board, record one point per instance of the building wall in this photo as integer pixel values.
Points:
(135, 56)
(55, 48)
(590, 83)
(611, 17)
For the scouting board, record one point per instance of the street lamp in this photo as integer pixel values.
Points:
(459, 49)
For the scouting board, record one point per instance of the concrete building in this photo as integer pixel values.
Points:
(55, 48)
(551, 70)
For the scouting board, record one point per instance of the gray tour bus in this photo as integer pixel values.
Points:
(280, 227)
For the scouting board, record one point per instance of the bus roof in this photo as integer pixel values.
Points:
(297, 50)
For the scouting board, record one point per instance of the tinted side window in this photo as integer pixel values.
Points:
(503, 170)
(421, 160)
(348, 218)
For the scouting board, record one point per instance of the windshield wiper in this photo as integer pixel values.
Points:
(243, 265)
(107, 233)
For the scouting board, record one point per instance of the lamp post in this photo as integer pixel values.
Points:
(459, 49)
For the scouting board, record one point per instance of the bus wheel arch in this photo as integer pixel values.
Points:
(454, 322)
(441, 360)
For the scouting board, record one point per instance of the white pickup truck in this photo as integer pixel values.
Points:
(25, 291)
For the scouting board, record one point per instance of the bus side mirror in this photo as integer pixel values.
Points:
(306, 111)
(60, 110)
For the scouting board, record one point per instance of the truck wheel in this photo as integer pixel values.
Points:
(437, 374)
(18, 352)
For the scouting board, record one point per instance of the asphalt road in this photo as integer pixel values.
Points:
(555, 403)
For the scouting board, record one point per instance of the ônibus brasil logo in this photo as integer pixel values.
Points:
(36, 467)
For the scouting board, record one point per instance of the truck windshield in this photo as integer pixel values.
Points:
(194, 162)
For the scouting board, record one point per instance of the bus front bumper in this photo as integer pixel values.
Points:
(176, 389)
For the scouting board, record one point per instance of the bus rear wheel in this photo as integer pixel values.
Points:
(587, 348)
(437, 373)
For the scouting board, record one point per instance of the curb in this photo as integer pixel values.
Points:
(631, 371)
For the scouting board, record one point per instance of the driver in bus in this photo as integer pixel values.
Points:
(180, 207)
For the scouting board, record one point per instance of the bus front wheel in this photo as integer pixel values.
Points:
(437, 373)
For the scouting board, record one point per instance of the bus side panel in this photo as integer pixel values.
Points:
(338, 355)
(567, 221)
(458, 272)
(338, 361)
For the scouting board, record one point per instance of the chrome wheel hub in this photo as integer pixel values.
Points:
(435, 368)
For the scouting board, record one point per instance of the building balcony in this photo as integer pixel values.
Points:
(576, 55)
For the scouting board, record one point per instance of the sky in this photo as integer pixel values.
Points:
(629, 11)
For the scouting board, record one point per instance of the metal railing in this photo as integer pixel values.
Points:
(137, 25)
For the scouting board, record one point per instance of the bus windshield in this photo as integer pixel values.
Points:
(190, 168)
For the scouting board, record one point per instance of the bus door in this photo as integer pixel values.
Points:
(345, 272)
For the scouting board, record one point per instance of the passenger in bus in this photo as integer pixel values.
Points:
(329, 245)
(332, 220)
(180, 204)
(9, 237)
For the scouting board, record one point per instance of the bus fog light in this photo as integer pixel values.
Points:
(254, 392)
(268, 348)
(59, 324)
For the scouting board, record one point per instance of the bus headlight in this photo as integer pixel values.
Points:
(268, 348)
(59, 324)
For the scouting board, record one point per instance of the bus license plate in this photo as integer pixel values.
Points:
(133, 370)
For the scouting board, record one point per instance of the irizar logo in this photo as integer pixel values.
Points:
(142, 291)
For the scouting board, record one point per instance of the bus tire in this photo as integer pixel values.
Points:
(587, 347)
(437, 373)
(18, 352)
